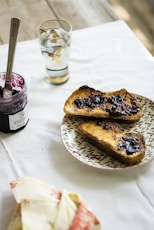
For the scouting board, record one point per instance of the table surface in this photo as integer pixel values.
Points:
(139, 15)
(106, 57)
(32, 13)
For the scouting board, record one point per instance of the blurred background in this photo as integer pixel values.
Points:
(138, 14)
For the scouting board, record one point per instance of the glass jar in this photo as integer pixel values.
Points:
(13, 109)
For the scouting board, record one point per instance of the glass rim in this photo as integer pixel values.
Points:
(54, 20)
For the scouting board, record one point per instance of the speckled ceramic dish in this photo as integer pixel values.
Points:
(90, 155)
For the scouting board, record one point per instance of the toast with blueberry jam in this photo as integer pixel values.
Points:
(112, 139)
(119, 105)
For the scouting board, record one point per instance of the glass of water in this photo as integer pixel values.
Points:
(55, 40)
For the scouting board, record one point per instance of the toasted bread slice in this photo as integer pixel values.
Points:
(110, 137)
(87, 101)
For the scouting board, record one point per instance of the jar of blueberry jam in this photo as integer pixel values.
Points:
(13, 109)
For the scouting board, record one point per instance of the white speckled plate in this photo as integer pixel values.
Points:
(90, 155)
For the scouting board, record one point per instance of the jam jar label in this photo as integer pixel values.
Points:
(19, 119)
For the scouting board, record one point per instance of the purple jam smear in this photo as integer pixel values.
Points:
(17, 83)
(108, 125)
(115, 105)
(93, 101)
(130, 145)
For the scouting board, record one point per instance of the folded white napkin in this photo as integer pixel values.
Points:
(43, 207)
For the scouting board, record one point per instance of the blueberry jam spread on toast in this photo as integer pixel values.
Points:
(116, 105)
(130, 145)
(109, 126)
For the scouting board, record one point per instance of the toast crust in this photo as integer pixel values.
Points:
(119, 105)
(111, 138)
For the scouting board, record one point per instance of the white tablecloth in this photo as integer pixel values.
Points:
(106, 57)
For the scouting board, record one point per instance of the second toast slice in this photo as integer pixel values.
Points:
(112, 139)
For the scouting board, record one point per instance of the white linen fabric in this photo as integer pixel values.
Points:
(106, 57)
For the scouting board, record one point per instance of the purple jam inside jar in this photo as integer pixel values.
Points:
(13, 109)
